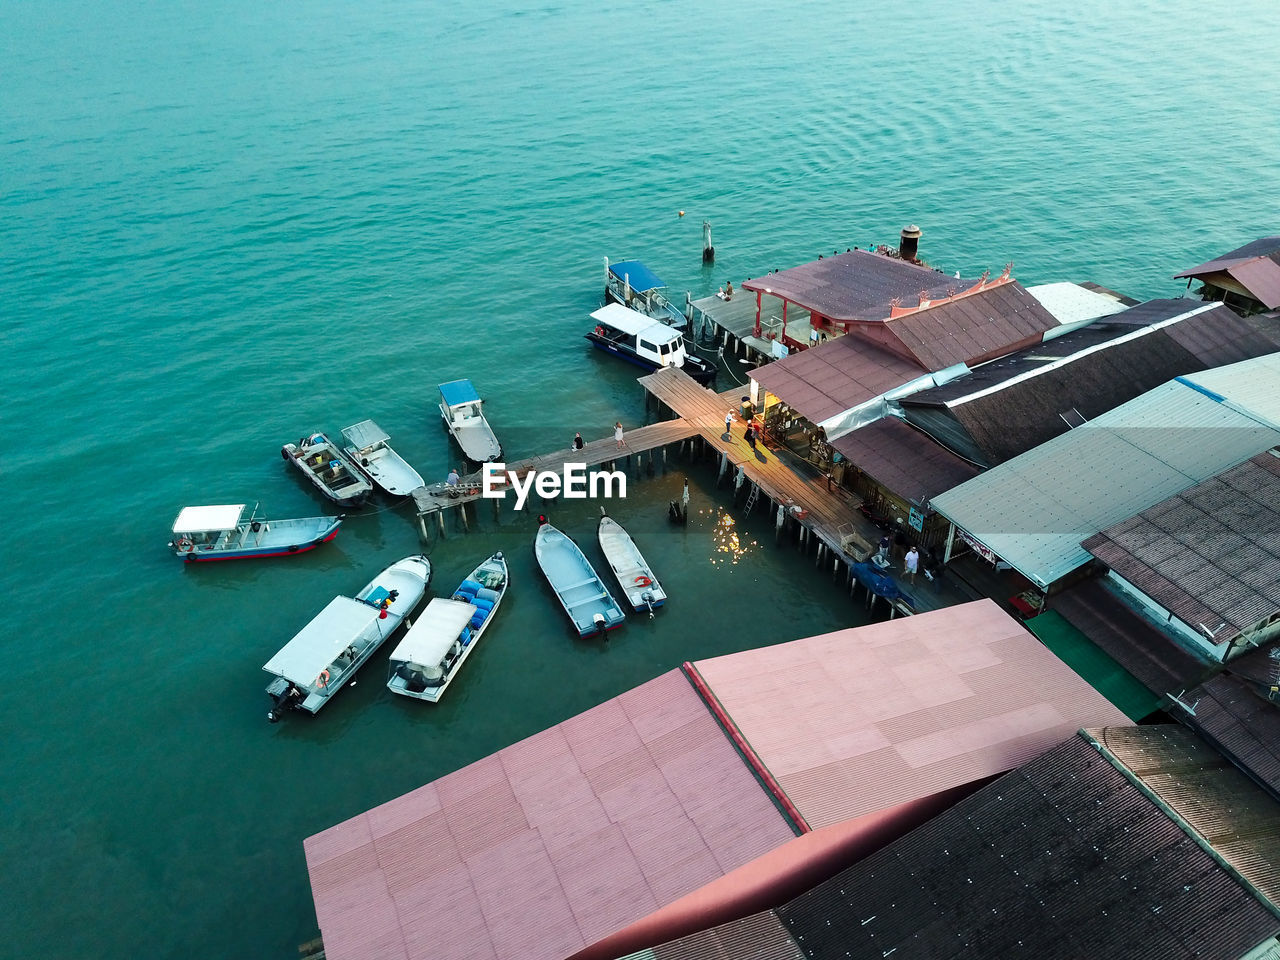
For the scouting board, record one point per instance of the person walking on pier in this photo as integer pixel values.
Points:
(728, 424)
(750, 437)
(911, 563)
(617, 434)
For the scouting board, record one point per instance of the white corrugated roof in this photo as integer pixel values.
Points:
(430, 638)
(1071, 303)
(1250, 386)
(222, 516)
(317, 644)
(1035, 509)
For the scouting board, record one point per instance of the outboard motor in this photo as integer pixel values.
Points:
(600, 622)
(647, 597)
(286, 701)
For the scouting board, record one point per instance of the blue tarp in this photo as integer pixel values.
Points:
(458, 391)
(881, 584)
(641, 278)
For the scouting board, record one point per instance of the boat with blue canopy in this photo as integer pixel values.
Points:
(634, 285)
(461, 410)
(585, 599)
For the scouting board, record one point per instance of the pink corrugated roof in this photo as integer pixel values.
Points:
(860, 720)
(548, 845)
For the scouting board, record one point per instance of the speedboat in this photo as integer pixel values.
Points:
(585, 599)
(369, 449)
(433, 650)
(460, 407)
(648, 343)
(635, 576)
(327, 652)
(328, 469)
(223, 532)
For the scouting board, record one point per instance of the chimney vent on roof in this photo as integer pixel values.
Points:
(909, 242)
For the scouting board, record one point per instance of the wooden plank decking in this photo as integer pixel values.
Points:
(641, 440)
(832, 512)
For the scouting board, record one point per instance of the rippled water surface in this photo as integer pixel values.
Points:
(223, 225)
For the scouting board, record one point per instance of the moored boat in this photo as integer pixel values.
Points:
(223, 532)
(327, 652)
(635, 576)
(369, 448)
(634, 285)
(460, 408)
(432, 652)
(649, 344)
(328, 469)
(582, 594)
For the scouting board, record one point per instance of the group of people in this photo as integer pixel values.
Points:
(578, 442)
(726, 292)
(751, 435)
(910, 562)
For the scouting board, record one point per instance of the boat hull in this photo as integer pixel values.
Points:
(344, 484)
(705, 375)
(634, 575)
(386, 470)
(581, 592)
(253, 553)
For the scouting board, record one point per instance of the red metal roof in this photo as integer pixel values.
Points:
(1255, 266)
(834, 377)
(860, 720)
(548, 845)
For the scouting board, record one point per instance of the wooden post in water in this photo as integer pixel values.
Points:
(708, 251)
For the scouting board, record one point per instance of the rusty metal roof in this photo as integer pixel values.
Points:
(854, 286)
(1209, 554)
(1255, 266)
(1240, 724)
(549, 845)
(861, 720)
(1062, 859)
(834, 377)
(904, 460)
(1230, 812)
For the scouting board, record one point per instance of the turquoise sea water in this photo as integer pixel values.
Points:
(224, 225)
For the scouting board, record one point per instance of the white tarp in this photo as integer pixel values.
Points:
(207, 519)
(320, 641)
(365, 434)
(430, 638)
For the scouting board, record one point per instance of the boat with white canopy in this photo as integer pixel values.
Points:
(646, 342)
(460, 408)
(432, 652)
(327, 652)
(223, 532)
(369, 448)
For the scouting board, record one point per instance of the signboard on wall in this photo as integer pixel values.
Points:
(916, 519)
(984, 552)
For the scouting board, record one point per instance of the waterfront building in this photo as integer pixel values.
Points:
(1122, 841)
(1033, 512)
(1247, 279)
(706, 794)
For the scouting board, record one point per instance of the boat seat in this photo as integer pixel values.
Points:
(592, 599)
(575, 586)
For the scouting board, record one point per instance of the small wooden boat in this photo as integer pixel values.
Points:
(635, 577)
(581, 592)
(634, 285)
(223, 532)
(369, 449)
(328, 469)
(432, 652)
(328, 651)
(649, 344)
(460, 408)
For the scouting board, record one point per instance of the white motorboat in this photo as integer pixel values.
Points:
(460, 407)
(633, 572)
(648, 343)
(432, 652)
(369, 448)
(328, 651)
(223, 532)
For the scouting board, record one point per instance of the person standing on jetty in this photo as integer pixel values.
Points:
(617, 434)
(911, 563)
(728, 424)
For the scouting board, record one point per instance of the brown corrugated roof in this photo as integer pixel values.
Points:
(1060, 860)
(1254, 248)
(1210, 554)
(836, 376)
(860, 720)
(551, 844)
(855, 286)
(1255, 266)
(904, 460)
(1129, 638)
(1241, 724)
